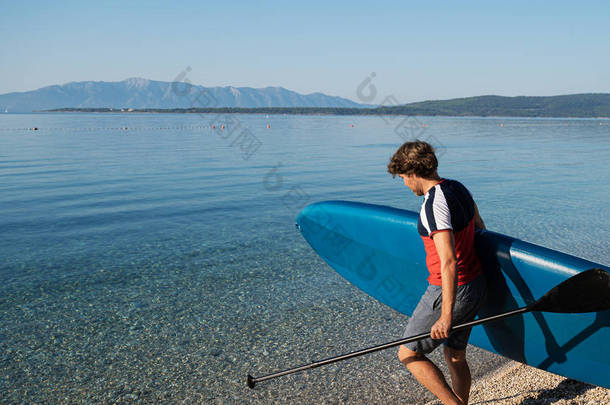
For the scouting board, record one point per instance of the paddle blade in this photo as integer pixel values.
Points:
(588, 291)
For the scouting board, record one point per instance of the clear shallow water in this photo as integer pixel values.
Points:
(157, 263)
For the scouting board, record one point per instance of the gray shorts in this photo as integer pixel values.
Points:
(468, 300)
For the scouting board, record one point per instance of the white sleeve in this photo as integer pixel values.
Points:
(440, 211)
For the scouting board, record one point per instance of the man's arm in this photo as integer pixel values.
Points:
(478, 221)
(445, 246)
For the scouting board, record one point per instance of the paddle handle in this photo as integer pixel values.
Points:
(251, 381)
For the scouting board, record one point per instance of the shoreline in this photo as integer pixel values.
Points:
(314, 111)
(517, 383)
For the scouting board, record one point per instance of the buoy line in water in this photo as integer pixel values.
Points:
(193, 127)
(267, 126)
(545, 124)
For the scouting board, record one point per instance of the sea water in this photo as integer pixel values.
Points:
(152, 257)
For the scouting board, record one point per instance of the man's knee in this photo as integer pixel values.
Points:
(454, 356)
(407, 355)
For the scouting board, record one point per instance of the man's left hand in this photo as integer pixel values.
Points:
(440, 329)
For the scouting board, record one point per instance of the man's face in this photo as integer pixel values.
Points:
(413, 183)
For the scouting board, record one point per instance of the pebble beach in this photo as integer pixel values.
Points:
(516, 383)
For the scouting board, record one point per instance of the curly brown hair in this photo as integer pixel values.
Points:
(415, 157)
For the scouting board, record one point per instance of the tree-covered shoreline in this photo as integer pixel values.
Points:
(576, 105)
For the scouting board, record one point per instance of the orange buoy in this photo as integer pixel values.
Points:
(222, 127)
(352, 126)
(213, 126)
(268, 126)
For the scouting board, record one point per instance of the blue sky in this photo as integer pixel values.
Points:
(418, 50)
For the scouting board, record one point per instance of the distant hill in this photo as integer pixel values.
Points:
(140, 93)
(576, 105)
(155, 96)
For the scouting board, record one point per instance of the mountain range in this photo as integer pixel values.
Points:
(138, 93)
(142, 95)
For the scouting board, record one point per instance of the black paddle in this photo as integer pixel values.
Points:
(588, 291)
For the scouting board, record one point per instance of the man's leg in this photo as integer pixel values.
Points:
(428, 375)
(460, 372)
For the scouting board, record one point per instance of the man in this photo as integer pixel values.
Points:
(457, 287)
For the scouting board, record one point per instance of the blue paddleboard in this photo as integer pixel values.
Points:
(378, 249)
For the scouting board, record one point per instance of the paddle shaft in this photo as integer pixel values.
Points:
(252, 380)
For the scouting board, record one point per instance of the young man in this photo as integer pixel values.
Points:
(457, 286)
